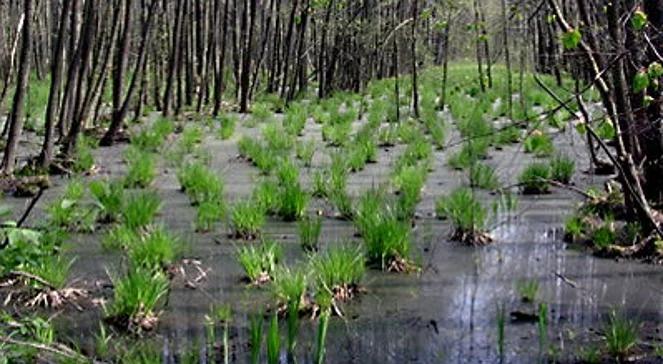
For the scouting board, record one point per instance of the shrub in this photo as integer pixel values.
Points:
(562, 169)
(259, 263)
(247, 219)
(141, 209)
(309, 233)
(535, 179)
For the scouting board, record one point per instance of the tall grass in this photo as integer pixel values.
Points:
(141, 209)
(136, 298)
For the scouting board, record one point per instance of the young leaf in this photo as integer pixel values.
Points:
(655, 70)
(639, 20)
(571, 39)
(640, 81)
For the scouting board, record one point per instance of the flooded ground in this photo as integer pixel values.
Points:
(447, 314)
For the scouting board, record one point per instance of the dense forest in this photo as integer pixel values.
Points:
(178, 174)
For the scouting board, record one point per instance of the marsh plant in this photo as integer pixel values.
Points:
(261, 112)
(227, 124)
(255, 337)
(528, 290)
(539, 144)
(387, 239)
(309, 233)
(260, 262)
(535, 179)
(247, 219)
(483, 176)
(109, 197)
(501, 323)
(141, 170)
(52, 269)
(289, 287)
(305, 151)
(136, 299)
(200, 183)
(119, 237)
(141, 209)
(562, 168)
(339, 271)
(192, 135)
(155, 250)
(542, 326)
(293, 202)
(294, 120)
(468, 216)
(208, 213)
(621, 335)
(69, 212)
(277, 139)
(273, 341)
(267, 195)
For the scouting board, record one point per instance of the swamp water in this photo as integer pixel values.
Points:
(447, 314)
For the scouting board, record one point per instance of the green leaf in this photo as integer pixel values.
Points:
(581, 128)
(647, 100)
(655, 70)
(639, 20)
(640, 81)
(571, 39)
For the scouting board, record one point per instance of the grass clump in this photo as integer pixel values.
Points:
(68, 211)
(119, 237)
(562, 168)
(260, 262)
(208, 213)
(141, 209)
(136, 298)
(200, 184)
(227, 124)
(539, 144)
(467, 215)
(535, 179)
(483, 176)
(309, 233)
(621, 336)
(247, 220)
(277, 139)
(528, 290)
(54, 269)
(141, 169)
(109, 197)
(305, 152)
(387, 239)
(155, 250)
(339, 271)
(261, 112)
(191, 136)
(294, 120)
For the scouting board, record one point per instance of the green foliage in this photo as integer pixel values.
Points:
(466, 213)
(294, 119)
(255, 338)
(535, 179)
(309, 233)
(247, 219)
(84, 159)
(289, 286)
(53, 269)
(227, 124)
(200, 184)
(137, 295)
(321, 337)
(191, 136)
(109, 197)
(273, 341)
(261, 112)
(621, 335)
(305, 152)
(483, 176)
(207, 214)
(528, 290)
(539, 144)
(571, 39)
(119, 237)
(277, 139)
(69, 212)
(260, 262)
(604, 236)
(267, 195)
(141, 170)
(338, 269)
(293, 203)
(562, 169)
(141, 209)
(639, 20)
(155, 250)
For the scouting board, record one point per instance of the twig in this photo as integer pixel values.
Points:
(30, 276)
